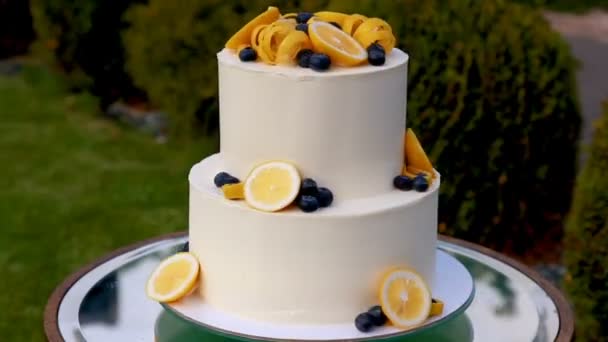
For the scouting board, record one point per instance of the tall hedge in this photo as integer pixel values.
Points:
(586, 241)
(491, 95)
(84, 39)
(171, 52)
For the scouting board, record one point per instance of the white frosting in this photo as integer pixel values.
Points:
(343, 127)
(291, 266)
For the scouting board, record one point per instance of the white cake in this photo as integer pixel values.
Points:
(344, 128)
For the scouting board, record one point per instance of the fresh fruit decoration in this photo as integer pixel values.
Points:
(272, 186)
(374, 317)
(340, 46)
(224, 178)
(417, 173)
(234, 191)
(311, 197)
(405, 298)
(331, 37)
(436, 307)
(174, 278)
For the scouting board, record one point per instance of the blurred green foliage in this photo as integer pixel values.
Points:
(567, 5)
(586, 241)
(74, 187)
(16, 32)
(491, 94)
(83, 38)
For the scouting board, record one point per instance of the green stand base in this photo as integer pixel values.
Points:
(169, 328)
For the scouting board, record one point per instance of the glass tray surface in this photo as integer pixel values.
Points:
(108, 303)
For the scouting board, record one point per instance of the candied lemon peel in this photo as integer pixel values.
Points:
(276, 40)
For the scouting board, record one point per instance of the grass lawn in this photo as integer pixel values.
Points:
(74, 186)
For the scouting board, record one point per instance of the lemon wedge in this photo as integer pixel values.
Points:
(174, 278)
(337, 44)
(415, 157)
(405, 298)
(233, 191)
(272, 186)
(243, 35)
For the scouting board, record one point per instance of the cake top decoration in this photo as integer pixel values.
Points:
(313, 40)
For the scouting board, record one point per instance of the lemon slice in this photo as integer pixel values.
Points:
(291, 45)
(244, 34)
(405, 298)
(174, 278)
(337, 44)
(272, 186)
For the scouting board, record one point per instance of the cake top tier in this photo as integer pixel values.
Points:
(395, 59)
(313, 40)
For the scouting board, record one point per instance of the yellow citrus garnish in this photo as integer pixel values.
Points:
(337, 44)
(374, 30)
(328, 16)
(234, 191)
(174, 278)
(415, 158)
(243, 36)
(272, 186)
(352, 22)
(291, 45)
(374, 24)
(405, 298)
(271, 38)
(436, 307)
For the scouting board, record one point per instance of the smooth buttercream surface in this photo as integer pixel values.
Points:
(344, 128)
(296, 267)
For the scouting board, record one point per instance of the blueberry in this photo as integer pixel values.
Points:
(420, 183)
(308, 187)
(363, 322)
(325, 197)
(376, 57)
(403, 183)
(224, 178)
(377, 315)
(320, 62)
(303, 58)
(375, 46)
(302, 27)
(185, 247)
(248, 54)
(303, 17)
(308, 203)
(336, 24)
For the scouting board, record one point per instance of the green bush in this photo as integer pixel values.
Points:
(566, 5)
(586, 241)
(491, 95)
(171, 51)
(83, 38)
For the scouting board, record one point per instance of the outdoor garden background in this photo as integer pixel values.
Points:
(105, 105)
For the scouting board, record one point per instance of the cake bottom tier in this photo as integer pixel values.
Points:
(322, 267)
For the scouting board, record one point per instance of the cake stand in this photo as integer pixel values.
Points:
(105, 301)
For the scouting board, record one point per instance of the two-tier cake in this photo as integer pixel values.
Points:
(304, 216)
